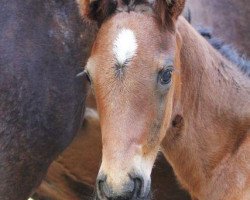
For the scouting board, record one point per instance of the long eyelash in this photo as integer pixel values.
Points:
(81, 74)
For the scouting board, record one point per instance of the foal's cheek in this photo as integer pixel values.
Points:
(166, 114)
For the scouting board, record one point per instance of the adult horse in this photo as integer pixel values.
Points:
(42, 48)
(159, 83)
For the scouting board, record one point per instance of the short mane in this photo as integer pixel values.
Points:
(227, 50)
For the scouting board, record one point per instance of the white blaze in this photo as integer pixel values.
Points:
(125, 46)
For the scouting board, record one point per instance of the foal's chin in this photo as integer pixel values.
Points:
(148, 197)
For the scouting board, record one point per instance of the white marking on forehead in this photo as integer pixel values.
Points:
(125, 46)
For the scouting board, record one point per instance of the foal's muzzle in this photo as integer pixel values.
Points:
(133, 189)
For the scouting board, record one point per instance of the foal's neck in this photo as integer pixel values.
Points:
(214, 105)
(209, 79)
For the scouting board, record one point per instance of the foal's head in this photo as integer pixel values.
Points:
(132, 70)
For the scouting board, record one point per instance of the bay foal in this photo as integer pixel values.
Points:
(158, 83)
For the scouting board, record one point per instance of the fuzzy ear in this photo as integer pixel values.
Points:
(97, 10)
(167, 11)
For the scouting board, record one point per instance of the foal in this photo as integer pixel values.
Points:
(158, 83)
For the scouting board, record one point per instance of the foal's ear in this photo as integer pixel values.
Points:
(167, 11)
(97, 10)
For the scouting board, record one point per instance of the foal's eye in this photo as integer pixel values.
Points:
(87, 77)
(165, 75)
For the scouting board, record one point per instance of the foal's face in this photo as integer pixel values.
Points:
(132, 73)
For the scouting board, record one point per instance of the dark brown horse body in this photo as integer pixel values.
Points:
(42, 49)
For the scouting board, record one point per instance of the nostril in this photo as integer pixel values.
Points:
(101, 188)
(138, 188)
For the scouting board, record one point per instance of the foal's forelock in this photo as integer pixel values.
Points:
(165, 11)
